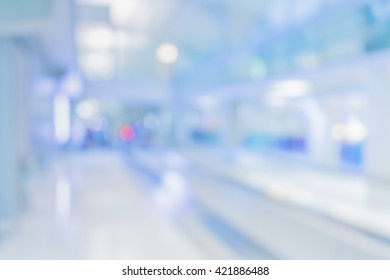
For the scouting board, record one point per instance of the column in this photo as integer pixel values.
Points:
(377, 148)
(8, 132)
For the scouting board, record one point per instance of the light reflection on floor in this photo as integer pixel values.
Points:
(103, 214)
(103, 205)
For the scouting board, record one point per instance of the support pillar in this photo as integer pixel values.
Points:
(8, 132)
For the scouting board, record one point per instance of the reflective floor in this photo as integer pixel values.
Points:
(190, 205)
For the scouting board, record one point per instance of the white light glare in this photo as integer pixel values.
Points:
(61, 118)
(353, 131)
(88, 109)
(130, 13)
(101, 37)
(175, 185)
(174, 191)
(167, 53)
(290, 88)
(123, 10)
(95, 37)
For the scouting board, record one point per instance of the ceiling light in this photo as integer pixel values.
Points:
(133, 13)
(290, 88)
(95, 37)
(167, 53)
(88, 109)
(356, 131)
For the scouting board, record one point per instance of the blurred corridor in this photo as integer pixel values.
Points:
(197, 129)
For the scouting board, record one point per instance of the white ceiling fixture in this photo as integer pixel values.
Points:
(167, 53)
(95, 37)
(290, 88)
(88, 109)
(131, 13)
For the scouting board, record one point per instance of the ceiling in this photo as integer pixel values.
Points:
(114, 42)
(201, 29)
